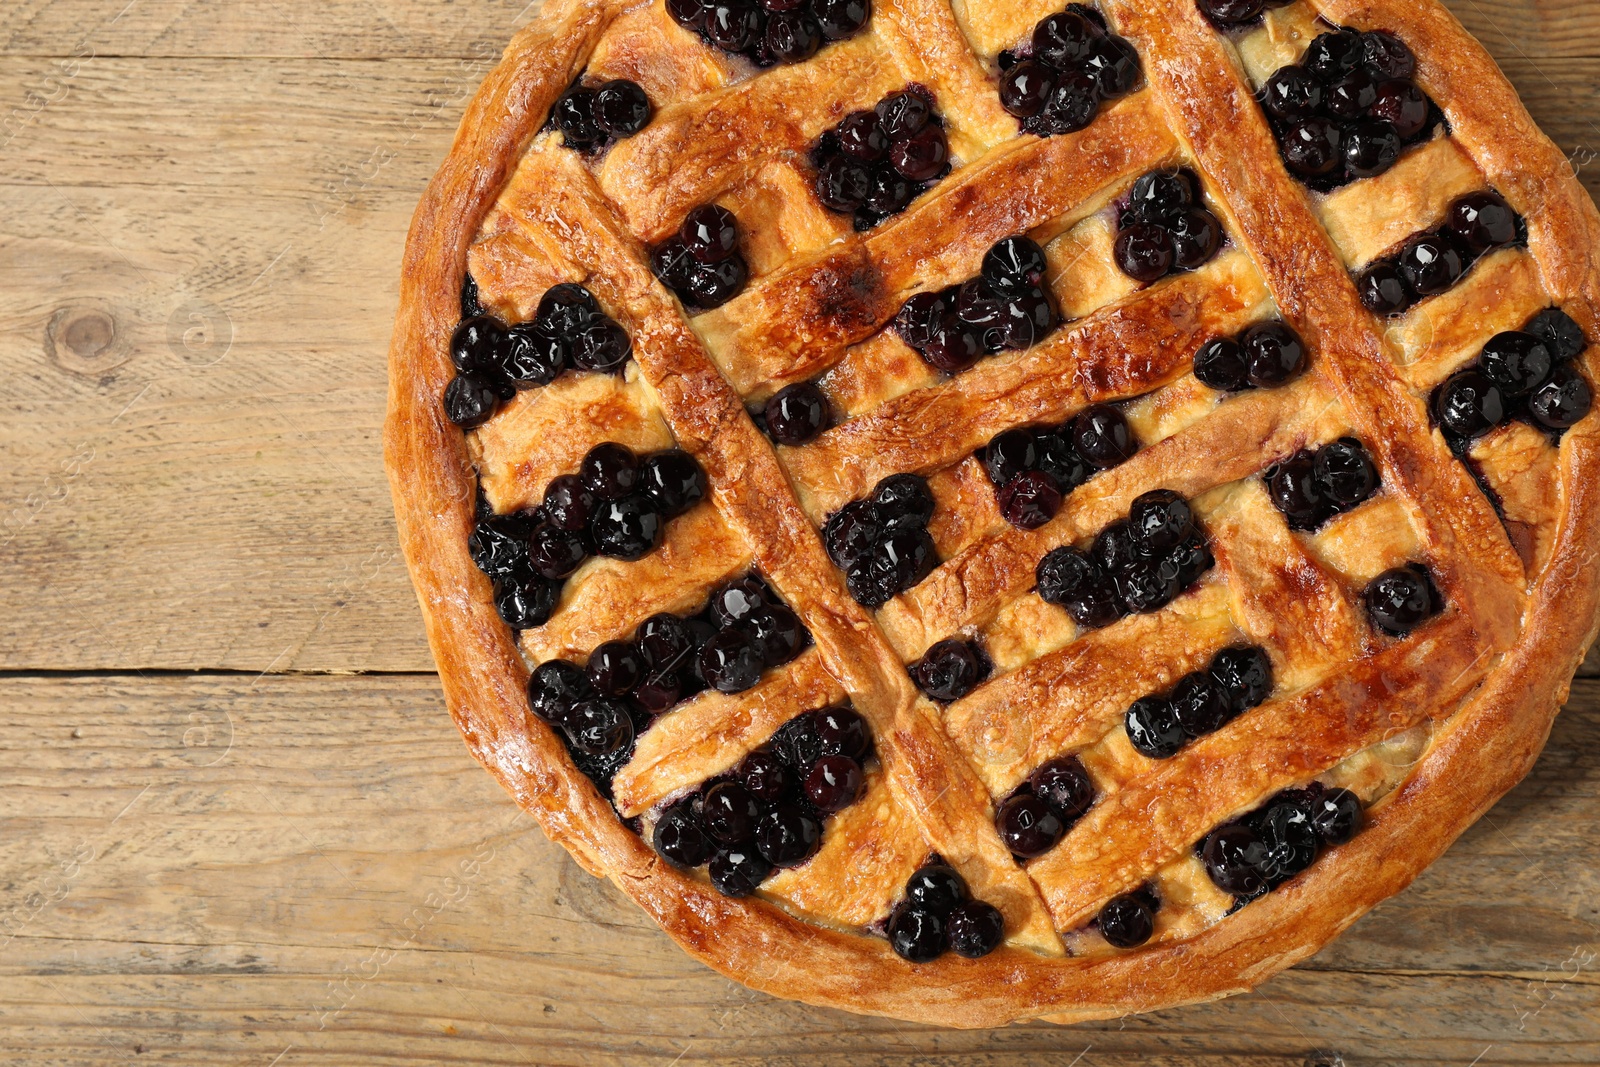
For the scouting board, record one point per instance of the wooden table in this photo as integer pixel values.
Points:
(236, 824)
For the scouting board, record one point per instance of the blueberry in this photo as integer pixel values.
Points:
(923, 156)
(555, 553)
(1015, 264)
(975, 929)
(574, 115)
(626, 529)
(1430, 264)
(730, 663)
(615, 667)
(679, 839)
(1115, 548)
(1292, 94)
(1400, 599)
(1233, 855)
(798, 744)
(610, 471)
(1200, 705)
(788, 835)
(852, 532)
(566, 309)
(1196, 237)
(951, 346)
(1382, 290)
(470, 401)
(522, 605)
(710, 285)
(737, 872)
(1125, 921)
(1227, 13)
(1162, 195)
(479, 346)
(555, 688)
(1065, 575)
(1010, 454)
(903, 502)
(792, 36)
(1481, 221)
(936, 887)
(1220, 364)
(735, 602)
(1144, 252)
(1030, 500)
(764, 775)
(904, 114)
(1102, 437)
(1064, 784)
(665, 641)
(733, 27)
(1274, 352)
(729, 813)
(1313, 148)
(842, 732)
(621, 108)
(602, 346)
(1025, 89)
(918, 317)
(1386, 55)
(1333, 55)
(1349, 97)
(1403, 106)
(534, 357)
(1296, 492)
(1245, 675)
(600, 726)
(1060, 460)
(710, 233)
(1064, 40)
(1073, 103)
(1289, 839)
(861, 136)
(1562, 401)
(1336, 816)
(673, 481)
(841, 18)
(1153, 727)
(1192, 558)
(1160, 519)
(671, 262)
(776, 633)
(949, 670)
(1345, 473)
(889, 191)
(1028, 826)
(1560, 334)
(1370, 148)
(1516, 362)
(1469, 403)
(499, 545)
(567, 503)
(916, 935)
(834, 783)
(1114, 63)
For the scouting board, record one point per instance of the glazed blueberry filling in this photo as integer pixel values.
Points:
(1432, 262)
(882, 543)
(874, 163)
(1263, 356)
(950, 669)
(1348, 109)
(592, 118)
(1260, 851)
(1200, 703)
(1309, 488)
(1033, 470)
(1165, 227)
(1520, 374)
(616, 505)
(1230, 13)
(939, 914)
(493, 361)
(771, 31)
(1138, 564)
(744, 630)
(1129, 920)
(1038, 814)
(1071, 66)
(1008, 306)
(702, 262)
(1402, 598)
(768, 812)
(795, 415)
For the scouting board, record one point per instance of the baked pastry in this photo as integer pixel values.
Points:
(1008, 510)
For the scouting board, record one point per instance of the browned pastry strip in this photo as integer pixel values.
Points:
(1154, 817)
(1117, 353)
(1066, 700)
(607, 599)
(1247, 432)
(693, 152)
(796, 324)
(1475, 563)
(1368, 219)
(714, 731)
(668, 62)
(1283, 598)
(927, 44)
(751, 492)
(1436, 337)
(868, 851)
(1519, 467)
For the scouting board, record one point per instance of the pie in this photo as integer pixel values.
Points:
(990, 511)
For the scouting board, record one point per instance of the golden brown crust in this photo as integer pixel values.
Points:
(1518, 649)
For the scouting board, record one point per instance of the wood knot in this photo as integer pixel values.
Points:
(84, 339)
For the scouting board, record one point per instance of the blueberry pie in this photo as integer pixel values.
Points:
(991, 511)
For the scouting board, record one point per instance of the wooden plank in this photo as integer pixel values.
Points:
(204, 488)
(416, 29)
(215, 868)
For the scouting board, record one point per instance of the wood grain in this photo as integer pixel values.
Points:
(201, 209)
(207, 867)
